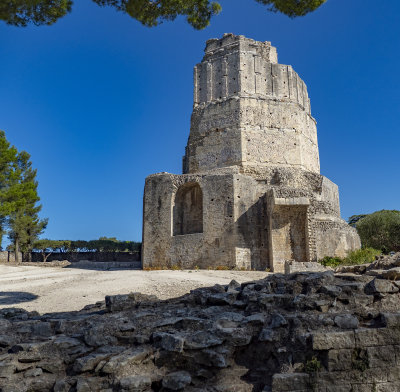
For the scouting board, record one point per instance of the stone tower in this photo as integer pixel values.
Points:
(250, 195)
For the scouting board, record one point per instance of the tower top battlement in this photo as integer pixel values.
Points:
(231, 43)
(236, 66)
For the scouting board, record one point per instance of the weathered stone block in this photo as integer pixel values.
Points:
(7, 369)
(391, 320)
(346, 321)
(121, 363)
(289, 382)
(333, 340)
(169, 342)
(377, 337)
(381, 356)
(176, 381)
(135, 383)
(339, 360)
(388, 387)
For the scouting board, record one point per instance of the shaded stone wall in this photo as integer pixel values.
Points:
(289, 238)
(91, 256)
(74, 256)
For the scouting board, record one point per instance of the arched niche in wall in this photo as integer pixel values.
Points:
(188, 210)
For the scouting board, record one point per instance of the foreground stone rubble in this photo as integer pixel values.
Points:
(300, 332)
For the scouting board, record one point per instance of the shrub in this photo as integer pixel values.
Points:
(333, 262)
(360, 256)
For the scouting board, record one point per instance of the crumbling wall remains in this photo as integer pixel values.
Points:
(301, 332)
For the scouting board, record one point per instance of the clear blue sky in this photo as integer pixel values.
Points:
(100, 102)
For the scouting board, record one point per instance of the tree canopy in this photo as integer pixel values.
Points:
(150, 13)
(380, 230)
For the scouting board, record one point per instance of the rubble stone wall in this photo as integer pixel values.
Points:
(303, 332)
(74, 256)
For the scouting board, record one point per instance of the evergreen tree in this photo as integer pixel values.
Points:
(19, 208)
(8, 159)
(24, 222)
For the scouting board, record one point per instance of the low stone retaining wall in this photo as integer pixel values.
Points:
(72, 257)
(9, 257)
(90, 256)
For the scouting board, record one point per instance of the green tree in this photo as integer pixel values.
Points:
(47, 247)
(380, 230)
(292, 8)
(38, 12)
(8, 161)
(23, 221)
(150, 13)
(79, 246)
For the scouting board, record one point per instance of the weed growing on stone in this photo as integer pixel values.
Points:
(221, 268)
(312, 366)
(155, 268)
(175, 267)
(359, 360)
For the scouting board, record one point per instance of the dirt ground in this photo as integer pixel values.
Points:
(66, 289)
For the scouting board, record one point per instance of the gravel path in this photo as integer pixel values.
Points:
(67, 289)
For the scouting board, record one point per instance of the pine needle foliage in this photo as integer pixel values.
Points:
(19, 199)
(150, 13)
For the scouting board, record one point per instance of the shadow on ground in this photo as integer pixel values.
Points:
(15, 297)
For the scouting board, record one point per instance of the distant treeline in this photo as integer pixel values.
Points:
(103, 244)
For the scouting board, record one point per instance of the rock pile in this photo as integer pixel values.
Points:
(385, 267)
(299, 332)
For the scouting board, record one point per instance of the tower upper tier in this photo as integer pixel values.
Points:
(249, 111)
(239, 66)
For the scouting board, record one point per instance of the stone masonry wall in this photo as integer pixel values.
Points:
(213, 247)
(251, 120)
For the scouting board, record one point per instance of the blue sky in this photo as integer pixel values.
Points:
(100, 102)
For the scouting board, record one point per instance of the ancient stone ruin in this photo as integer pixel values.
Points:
(251, 195)
(303, 332)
